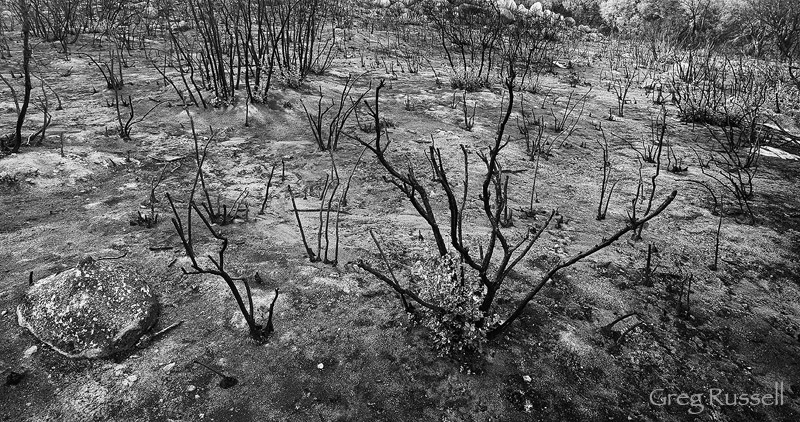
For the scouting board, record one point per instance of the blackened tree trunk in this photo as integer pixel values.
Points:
(26, 69)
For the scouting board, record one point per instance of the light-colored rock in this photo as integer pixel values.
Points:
(29, 352)
(91, 311)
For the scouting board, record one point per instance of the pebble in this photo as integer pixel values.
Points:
(190, 388)
(29, 352)
(168, 367)
(321, 366)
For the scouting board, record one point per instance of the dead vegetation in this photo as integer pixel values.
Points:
(629, 215)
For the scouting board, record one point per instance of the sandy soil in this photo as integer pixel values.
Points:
(343, 348)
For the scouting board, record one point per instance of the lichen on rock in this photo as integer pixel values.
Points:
(93, 310)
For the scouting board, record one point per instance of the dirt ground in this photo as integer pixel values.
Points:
(343, 348)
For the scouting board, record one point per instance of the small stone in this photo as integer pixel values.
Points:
(168, 367)
(14, 378)
(527, 378)
(321, 366)
(190, 388)
(29, 352)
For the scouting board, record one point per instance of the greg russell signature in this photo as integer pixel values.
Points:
(716, 397)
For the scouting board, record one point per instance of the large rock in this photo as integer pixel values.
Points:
(91, 311)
